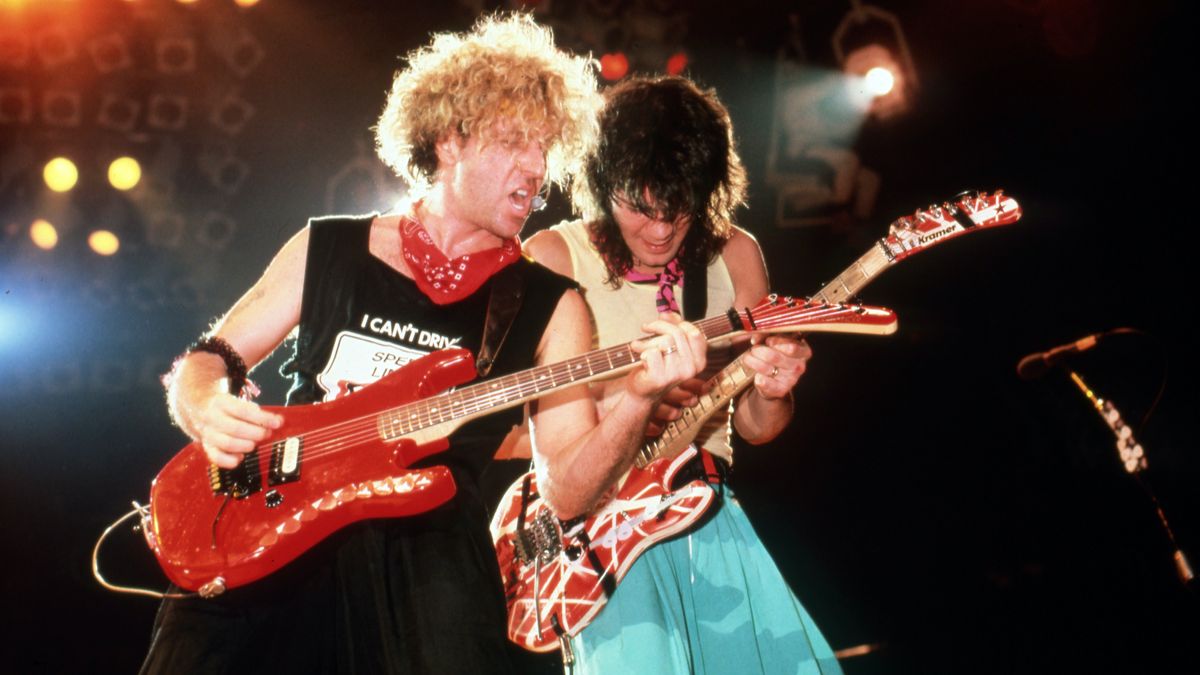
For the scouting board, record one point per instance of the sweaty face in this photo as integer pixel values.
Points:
(494, 182)
(653, 241)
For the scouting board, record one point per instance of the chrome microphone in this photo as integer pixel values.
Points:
(537, 203)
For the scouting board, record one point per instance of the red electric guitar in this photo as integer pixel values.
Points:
(335, 463)
(558, 575)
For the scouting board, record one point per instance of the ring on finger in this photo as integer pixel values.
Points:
(774, 371)
(670, 350)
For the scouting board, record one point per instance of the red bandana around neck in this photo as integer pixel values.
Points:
(445, 281)
(667, 280)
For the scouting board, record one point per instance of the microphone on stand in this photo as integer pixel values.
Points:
(1035, 365)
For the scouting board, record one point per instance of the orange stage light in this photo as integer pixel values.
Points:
(43, 234)
(60, 174)
(613, 66)
(104, 242)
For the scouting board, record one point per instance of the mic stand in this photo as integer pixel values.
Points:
(1133, 457)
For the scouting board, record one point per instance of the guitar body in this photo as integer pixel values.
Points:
(215, 529)
(545, 563)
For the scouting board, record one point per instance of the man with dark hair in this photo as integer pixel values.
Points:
(658, 196)
(477, 122)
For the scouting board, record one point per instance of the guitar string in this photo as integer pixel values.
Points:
(367, 426)
(349, 434)
(468, 402)
(329, 441)
(522, 389)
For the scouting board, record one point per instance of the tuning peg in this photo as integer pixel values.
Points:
(973, 194)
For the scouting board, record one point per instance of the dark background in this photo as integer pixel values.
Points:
(924, 500)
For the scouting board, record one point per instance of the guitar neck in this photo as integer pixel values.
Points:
(906, 236)
(724, 386)
(515, 389)
(735, 377)
(847, 284)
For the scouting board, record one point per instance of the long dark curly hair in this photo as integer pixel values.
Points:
(667, 151)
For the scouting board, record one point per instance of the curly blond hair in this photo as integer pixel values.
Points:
(506, 69)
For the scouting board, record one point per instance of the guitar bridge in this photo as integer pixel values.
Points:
(539, 540)
(239, 482)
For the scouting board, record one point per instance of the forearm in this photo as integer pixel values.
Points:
(759, 419)
(575, 477)
(195, 378)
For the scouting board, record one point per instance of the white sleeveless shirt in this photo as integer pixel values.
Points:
(618, 315)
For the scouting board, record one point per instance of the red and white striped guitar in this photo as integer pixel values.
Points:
(558, 575)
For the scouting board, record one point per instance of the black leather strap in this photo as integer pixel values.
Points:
(704, 467)
(695, 296)
(508, 289)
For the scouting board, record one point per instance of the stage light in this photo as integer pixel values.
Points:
(14, 50)
(614, 66)
(246, 3)
(241, 50)
(227, 173)
(175, 56)
(104, 242)
(54, 47)
(118, 113)
(677, 63)
(165, 230)
(62, 108)
(124, 173)
(882, 86)
(231, 114)
(16, 106)
(110, 53)
(879, 81)
(216, 230)
(60, 174)
(867, 42)
(43, 234)
(167, 112)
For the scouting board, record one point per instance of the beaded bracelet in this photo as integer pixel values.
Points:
(235, 366)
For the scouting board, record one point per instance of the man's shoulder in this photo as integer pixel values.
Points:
(740, 242)
(551, 247)
(536, 274)
(344, 220)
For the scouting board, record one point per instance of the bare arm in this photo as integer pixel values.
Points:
(198, 395)
(779, 361)
(578, 457)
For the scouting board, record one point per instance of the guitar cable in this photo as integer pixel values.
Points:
(137, 509)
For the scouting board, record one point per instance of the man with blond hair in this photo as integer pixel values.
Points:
(477, 123)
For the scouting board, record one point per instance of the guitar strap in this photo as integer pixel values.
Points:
(508, 289)
(695, 300)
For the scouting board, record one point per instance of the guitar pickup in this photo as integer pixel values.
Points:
(239, 482)
(286, 458)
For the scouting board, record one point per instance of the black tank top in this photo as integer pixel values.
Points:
(360, 319)
(420, 594)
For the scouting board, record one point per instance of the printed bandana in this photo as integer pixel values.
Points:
(667, 280)
(443, 280)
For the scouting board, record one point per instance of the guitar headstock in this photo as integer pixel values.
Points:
(779, 314)
(965, 212)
